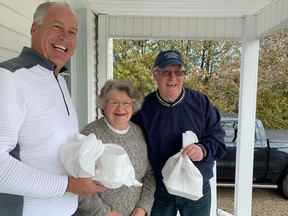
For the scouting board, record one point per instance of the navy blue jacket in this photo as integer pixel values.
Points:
(164, 123)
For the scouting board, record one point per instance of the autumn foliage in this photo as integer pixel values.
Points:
(213, 67)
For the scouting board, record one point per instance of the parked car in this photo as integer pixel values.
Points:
(270, 156)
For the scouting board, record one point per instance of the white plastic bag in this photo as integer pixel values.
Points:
(114, 168)
(188, 137)
(80, 154)
(180, 176)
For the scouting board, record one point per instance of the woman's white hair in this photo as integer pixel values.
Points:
(120, 85)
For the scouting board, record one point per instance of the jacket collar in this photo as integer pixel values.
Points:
(178, 100)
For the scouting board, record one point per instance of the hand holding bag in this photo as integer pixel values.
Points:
(180, 176)
(108, 164)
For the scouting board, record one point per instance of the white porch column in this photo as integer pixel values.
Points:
(82, 68)
(213, 183)
(247, 109)
(104, 51)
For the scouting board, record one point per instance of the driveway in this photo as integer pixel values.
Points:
(265, 202)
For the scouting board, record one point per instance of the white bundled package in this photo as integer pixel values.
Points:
(108, 164)
(114, 168)
(79, 155)
(180, 176)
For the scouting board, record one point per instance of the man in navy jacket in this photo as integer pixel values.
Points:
(167, 113)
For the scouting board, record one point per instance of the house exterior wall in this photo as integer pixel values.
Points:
(84, 67)
(15, 23)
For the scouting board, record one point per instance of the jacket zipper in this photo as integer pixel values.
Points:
(63, 96)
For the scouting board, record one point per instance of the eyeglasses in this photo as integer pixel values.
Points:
(167, 73)
(116, 103)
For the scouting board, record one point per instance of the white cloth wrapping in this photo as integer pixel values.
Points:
(114, 168)
(180, 176)
(109, 164)
(80, 154)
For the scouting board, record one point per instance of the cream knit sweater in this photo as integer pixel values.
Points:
(123, 199)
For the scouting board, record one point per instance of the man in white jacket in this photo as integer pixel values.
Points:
(36, 117)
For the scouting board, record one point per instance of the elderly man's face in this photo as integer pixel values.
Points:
(170, 87)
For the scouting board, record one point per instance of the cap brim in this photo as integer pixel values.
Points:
(170, 62)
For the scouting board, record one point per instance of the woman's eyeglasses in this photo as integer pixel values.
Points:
(116, 103)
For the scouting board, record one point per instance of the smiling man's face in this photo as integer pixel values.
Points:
(56, 37)
(170, 87)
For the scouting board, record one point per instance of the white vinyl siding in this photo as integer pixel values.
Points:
(175, 28)
(84, 68)
(15, 23)
(272, 18)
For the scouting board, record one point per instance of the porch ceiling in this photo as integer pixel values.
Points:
(176, 8)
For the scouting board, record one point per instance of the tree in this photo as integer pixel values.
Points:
(272, 99)
(213, 67)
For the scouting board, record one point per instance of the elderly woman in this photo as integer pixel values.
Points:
(118, 101)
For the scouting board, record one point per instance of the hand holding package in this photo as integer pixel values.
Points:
(109, 164)
(180, 176)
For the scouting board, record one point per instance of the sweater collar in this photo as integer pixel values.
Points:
(178, 100)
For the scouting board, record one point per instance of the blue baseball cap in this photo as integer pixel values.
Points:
(169, 57)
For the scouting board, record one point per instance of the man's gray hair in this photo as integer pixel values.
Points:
(42, 9)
